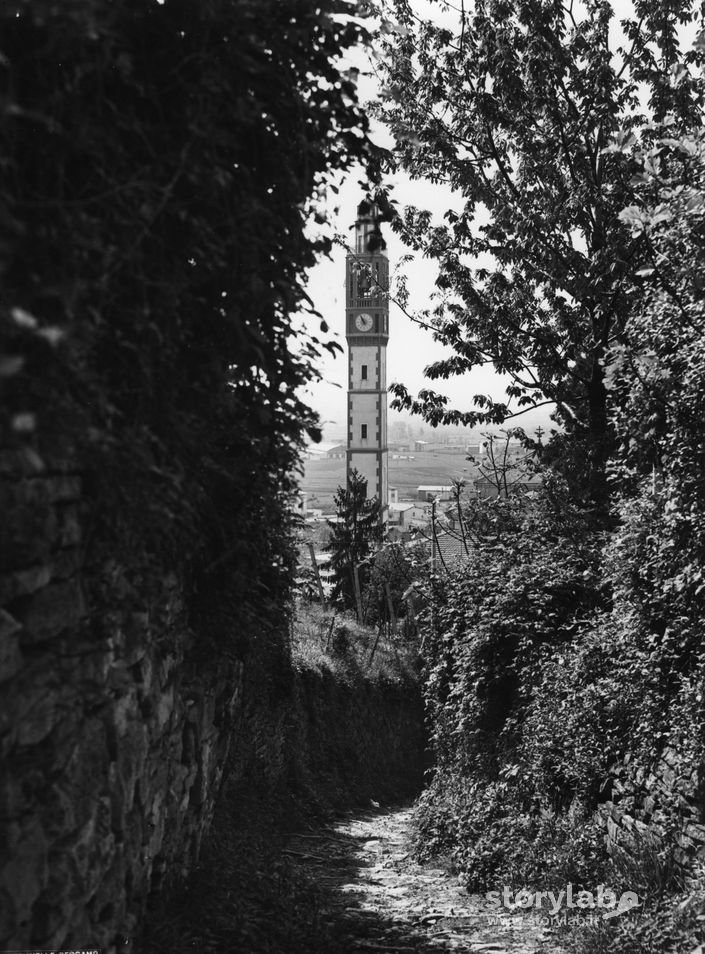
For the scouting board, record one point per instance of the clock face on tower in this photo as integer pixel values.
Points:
(363, 322)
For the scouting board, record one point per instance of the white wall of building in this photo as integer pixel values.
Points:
(365, 411)
(364, 356)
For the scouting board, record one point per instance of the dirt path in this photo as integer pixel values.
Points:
(373, 897)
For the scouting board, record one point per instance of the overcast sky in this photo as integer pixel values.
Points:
(410, 348)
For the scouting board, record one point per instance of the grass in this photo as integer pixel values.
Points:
(323, 477)
(324, 639)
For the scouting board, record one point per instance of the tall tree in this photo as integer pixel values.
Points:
(355, 534)
(518, 109)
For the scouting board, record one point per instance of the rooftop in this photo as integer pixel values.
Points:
(450, 548)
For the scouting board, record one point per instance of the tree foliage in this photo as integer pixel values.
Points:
(534, 732)
(564, 658)
(355, 534)
(517, 108)
(161, 162)
(391, 589)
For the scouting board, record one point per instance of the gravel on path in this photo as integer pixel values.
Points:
(373, 897)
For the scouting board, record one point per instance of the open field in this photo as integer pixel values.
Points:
(322, 477)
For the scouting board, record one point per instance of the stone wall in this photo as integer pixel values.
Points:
(115, 732)
(319, 742)
(112, 741)
(332, 740)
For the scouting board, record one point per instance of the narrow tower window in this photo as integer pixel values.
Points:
(363, 431)
(363, 372)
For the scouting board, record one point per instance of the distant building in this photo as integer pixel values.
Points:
(401, 514)
(445, 447)
(337, 453)
(420, 446)
(431, 491)
(421, 514)
(523, 485)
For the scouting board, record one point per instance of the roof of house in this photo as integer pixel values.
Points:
(437, 487)
(451, 547)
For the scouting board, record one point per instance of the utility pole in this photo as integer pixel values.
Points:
(358, 595)
(317, 573)
(390, 607)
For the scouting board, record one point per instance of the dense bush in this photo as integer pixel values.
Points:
(540, 679)
(161, 161)
(511, 616)
(529, 584)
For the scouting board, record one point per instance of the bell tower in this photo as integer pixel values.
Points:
(367, 333)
